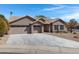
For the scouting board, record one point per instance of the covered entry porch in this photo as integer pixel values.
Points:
(40, 27)
(47, 28)
(37, 27)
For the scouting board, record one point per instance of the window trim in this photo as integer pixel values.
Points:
(56, 27)
(61, 27)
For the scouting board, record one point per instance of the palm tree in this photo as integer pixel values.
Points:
(4, 25)
(72, 23)
(11, 13)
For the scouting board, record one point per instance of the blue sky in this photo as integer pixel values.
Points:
(63, 11)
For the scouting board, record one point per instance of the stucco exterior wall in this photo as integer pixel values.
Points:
(21, 30)
(59, 23)
(24, 21)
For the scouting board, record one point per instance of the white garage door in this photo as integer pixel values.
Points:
(18, 30)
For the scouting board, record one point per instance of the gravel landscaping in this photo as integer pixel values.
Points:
(40, 40)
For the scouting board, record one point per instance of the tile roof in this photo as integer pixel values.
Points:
(47, 21)
(38, 21)
(15, 18)
(77, 24)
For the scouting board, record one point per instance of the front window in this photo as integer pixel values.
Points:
(77, 27)
(61, 27)
(55, 27)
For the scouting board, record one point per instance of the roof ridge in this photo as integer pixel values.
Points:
(20, 18)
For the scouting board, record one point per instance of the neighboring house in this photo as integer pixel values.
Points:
(27, 24)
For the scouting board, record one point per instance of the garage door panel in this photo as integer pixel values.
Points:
(19, 30)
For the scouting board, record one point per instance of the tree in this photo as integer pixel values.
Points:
(72, 23)
(3, 17)
(41, 17)
(4, 25)
(11, 12)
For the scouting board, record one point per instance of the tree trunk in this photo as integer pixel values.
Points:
(71, 30)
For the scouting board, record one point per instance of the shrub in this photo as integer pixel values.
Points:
(65, 32)
(75, 36)
(4, 25)
(74, 33)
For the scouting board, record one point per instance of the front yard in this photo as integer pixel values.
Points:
(70, 36)
(38, 43)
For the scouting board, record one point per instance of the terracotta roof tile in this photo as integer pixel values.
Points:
(38, 21)
(13, 18)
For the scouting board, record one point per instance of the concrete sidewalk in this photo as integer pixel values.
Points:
(25, 49)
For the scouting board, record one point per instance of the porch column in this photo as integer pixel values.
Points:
(59, 27)
(42, 28)
(49, 29)
(31, 28)
(53, 28)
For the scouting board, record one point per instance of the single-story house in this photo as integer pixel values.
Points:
(27, 24)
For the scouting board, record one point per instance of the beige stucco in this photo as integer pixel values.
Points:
(24, 21)
(59, 23)
(21, 30)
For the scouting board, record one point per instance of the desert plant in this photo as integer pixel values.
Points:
(74, 33)
(75, 37)
(4, 25)
(72, 23)
(41, 17)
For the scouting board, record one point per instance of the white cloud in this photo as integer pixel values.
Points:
(53, 8)
(70, 16)
(67, 17)
(65, 12)
(59, 7)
